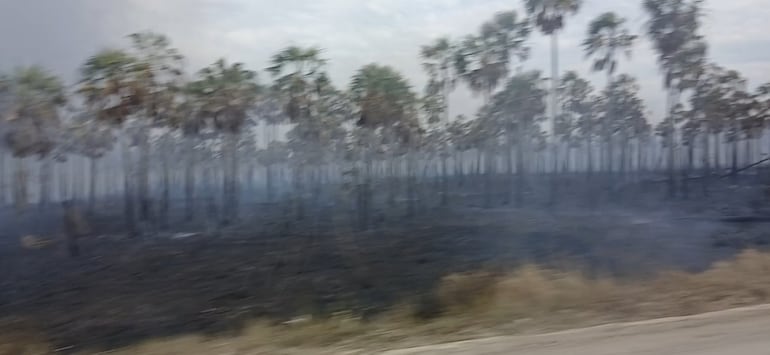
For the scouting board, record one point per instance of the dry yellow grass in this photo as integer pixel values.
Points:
(483, 303)
(19, 338)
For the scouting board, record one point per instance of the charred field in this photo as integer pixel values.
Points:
(272, 265)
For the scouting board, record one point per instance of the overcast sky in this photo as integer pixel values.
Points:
(61, 34)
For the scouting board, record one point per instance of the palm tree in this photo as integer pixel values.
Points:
(91, 139)
(33, 122)
(438, 62)
(578, 112)
(272, 113)
(299, 76)
(628, 112)
(158, 73)
(5, 102)
(109, 89)
(296, 70)
(673, 27)
(228, 93)
(549, 17)
(483, 60)
(518, 108)
(606, 38)
(386, 102)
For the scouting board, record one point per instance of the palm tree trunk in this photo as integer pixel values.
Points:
(509, 168)
(92, 178)
(230, 179)
(189, 177)
(444, 176)
(718, 151)
(144, 174)
(589, 156)
(410, 182)
(3, 171)
(63, 182)
(521, 146)
(269, 181)
(734, 152)
(670, 102)
(45, 182)
(706, 161)
(554, 114)
(623, 154)
(128, 189)
(163, 209)
(639, 156)
(20, 197)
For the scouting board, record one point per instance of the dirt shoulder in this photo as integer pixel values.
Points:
(737, 331)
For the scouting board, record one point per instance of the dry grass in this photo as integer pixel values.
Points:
(483, 303)
(19, 338)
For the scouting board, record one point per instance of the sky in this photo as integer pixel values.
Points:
(61, 34)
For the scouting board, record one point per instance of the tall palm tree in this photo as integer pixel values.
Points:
(483, 62)
(110, 89)
(385, 101)
(5, 102)
(91, 139)
(628, 111)
(295, 70)
(518, 109)
(299, 75)
(158, 74)
(606, 38)
(438, 59)
(577, 103)
(673, 28)
(228, 93)
(549, 17)
(33, 123)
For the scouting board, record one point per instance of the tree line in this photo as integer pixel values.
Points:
(137, 125)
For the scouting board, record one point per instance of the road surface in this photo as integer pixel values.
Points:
(744, 331)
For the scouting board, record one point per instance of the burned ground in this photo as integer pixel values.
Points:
(127, 289)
